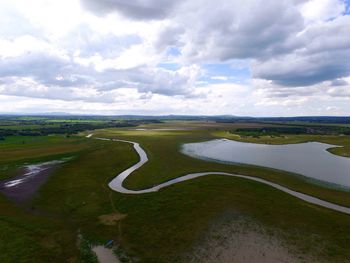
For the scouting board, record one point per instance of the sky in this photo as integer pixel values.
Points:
(186, 57)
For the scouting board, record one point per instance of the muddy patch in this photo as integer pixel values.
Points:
(23, 186)
(105, 255)
(111, 219)
(243, 240)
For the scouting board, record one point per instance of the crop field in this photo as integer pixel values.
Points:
(76, 203)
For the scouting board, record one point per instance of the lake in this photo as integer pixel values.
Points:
(308, 159)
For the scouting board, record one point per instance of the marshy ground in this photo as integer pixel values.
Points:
(176, 223)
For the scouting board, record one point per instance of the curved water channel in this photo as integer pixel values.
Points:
(117, 183)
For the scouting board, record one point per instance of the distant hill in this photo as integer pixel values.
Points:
(217, 118)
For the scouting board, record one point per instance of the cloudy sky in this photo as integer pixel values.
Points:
(252, 57)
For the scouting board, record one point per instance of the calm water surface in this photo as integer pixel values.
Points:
(309, 159)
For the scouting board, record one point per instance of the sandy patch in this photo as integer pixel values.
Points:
(111, 219)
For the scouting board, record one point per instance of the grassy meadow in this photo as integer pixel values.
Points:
(162, 226)
(18, 150)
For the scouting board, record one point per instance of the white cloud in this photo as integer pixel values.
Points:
(150, 56)
(223, 78)
(26, 44)
(322, 10)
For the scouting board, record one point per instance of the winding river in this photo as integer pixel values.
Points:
(117, 183)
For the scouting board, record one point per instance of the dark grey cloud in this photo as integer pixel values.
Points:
(223, 30)
(136, 9)
(284, 48)
(170, 36)
(305, 70)
(322, 54)
(339, 82)
(40, 65)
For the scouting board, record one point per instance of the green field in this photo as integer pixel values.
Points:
(162, 226)
(18, 150)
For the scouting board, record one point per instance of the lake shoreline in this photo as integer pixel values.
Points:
(309, 160)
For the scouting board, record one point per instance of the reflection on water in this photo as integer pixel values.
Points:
(30, 171)
(23, 186)
(309, 159)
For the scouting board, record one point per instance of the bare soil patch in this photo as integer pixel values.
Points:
(22, 187)
(242, 241)
(111, 219)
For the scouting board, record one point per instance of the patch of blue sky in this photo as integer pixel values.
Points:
(129, 40)
(226, 72)
(345, 12)
(169, 66)
(173, 51)
(347, 7)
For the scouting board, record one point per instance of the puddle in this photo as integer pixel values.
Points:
(23, 186)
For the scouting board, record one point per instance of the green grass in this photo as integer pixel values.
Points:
(77, 121)
(166, 162)
(41, 236)
(24, 126)
(181, 213)
(161, 226)
(19, 150)
(29, 238)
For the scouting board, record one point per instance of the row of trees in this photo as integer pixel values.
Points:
(65, 128)
(276, 131)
